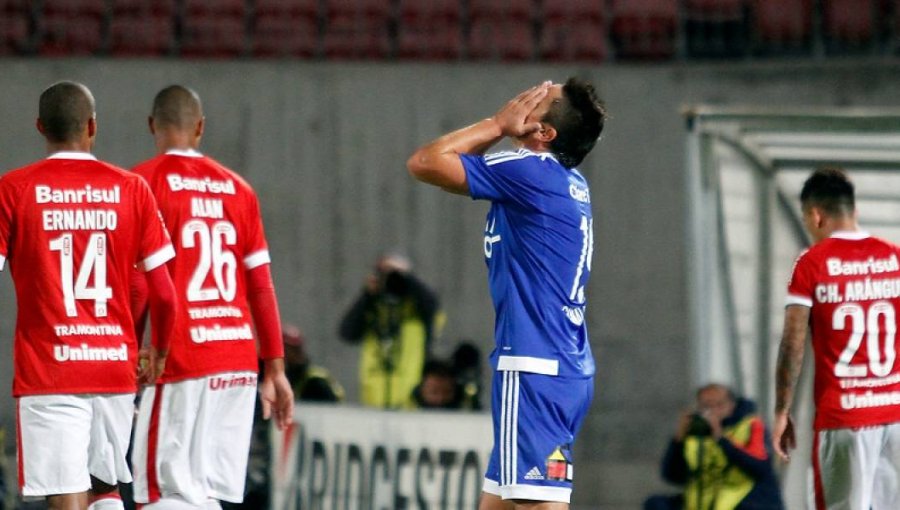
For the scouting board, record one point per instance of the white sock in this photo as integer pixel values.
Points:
(172, 503)
(107, 504)
(212, 504)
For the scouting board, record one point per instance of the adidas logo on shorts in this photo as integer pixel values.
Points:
(534, 474)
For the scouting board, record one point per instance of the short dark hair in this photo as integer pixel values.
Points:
(64, 109)
(578, 119)
(830, 189)
(177, 106)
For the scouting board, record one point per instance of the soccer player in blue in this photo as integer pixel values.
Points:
(538, 242)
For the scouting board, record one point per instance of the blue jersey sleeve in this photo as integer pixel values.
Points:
(503, 177)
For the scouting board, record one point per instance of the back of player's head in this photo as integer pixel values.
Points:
(178, 107)
(829, 189)
(64, 110)
(578, 119)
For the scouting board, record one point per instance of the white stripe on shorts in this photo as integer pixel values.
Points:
(509, 424)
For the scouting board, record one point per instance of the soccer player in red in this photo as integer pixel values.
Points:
(193, 433)
(73, 229)
(846, 290)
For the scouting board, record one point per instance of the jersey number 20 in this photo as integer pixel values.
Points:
(866, 324)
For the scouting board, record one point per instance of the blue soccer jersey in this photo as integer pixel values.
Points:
(538, 243)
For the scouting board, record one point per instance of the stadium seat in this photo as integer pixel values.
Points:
(848, 24)
(142, 7)
(71, 27)
(522, 9)
(715, 28)
(644, 29)
(290, 8)
(429, 29)
(213, 36)
(15, 18)
(501, 39)
(233, 8)
(782, 26)
(574, 9)
(136, 35)
(213, 28)
(285, 36)
(357, 29)
(573, 30)
(583, 40)
(74, 8)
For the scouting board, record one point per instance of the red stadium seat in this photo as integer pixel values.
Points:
(213, 37)
(348, 38)
(782, 25)
(135, 35)
(285, 36)
(848, 24)
(233, 8)
(14, 21)
(293, 8)
(160, 8)
(71, 27)
(715, 28)
(714, 10)
(501, 39)
(644, 29)
(523, 9)
(429, 29)
(75, 7)
(429, 9)
(436, 43)
(376, 9)
(71, 35)
(357, 28)
(574, 9)
(573, 40)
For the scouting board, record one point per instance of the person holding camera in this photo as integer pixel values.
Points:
(394, 320)
(721, 456)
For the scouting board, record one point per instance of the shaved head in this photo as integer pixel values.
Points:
(64, 111)
(177, 107)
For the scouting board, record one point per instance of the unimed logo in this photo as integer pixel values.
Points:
(63, 353)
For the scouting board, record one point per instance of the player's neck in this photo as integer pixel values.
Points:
(173, 141)
(79, 146)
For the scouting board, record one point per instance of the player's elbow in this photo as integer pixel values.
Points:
(419, 166)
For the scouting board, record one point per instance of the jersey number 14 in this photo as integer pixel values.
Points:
(93, 262)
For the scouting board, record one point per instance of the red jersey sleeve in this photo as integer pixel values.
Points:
(802, 284)
(156, 247)
(7, 206)
(256, 250)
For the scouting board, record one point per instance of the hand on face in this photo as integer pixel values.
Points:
(513, 118)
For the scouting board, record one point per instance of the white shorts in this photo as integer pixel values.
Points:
(857, 469)
(64, 439)
(192, 439)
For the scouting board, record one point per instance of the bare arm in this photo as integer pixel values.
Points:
(787, 372)
(438, 163)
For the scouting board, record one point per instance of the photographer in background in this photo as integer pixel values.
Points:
(394, 320)
(721, 456)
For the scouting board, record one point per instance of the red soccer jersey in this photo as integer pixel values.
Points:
(851, 281)
(73, 228)
(214, 219)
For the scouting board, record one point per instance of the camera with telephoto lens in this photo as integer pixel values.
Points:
(395, 283)
(699, 426)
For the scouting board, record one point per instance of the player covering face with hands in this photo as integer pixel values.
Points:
(538, 245)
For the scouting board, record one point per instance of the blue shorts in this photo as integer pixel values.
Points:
(536, 418)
